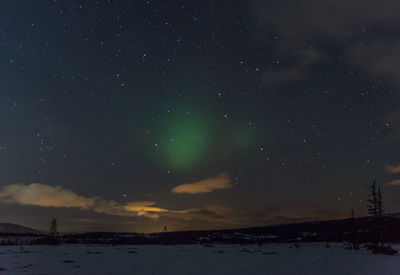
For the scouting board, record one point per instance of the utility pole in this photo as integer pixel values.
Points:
(53, 228)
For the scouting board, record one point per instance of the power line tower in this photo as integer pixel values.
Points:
(53, 228)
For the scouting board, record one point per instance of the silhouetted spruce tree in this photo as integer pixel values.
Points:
(373, 210)
(379, 205)
(380, 222)
(373, 200)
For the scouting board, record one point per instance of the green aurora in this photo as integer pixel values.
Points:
(183, 140)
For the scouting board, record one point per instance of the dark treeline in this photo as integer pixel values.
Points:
(318, 231)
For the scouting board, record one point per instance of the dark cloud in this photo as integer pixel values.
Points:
(291, 74)
(297, 25)
(205, 213)
(303, 21)
(379, 58)
(304, 59)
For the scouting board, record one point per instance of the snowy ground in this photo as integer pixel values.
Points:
(194, 259)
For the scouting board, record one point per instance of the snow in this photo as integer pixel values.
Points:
(313, 258)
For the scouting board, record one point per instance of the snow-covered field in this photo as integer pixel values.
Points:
(194, 259)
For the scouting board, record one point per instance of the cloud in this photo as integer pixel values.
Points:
(395, 182)
(304, 20)
(327, 25)
(292, 74)
(393, 169)
(379, 58)
(146, 209)
(303, 60)
(209, 213)
(60, 200)
(44, 195)
(36, 194)
(222, 181)
(144, 206)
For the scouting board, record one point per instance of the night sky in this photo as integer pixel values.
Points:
(132, 115)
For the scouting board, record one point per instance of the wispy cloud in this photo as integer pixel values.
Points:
(146, 209)
(44, 195)
(36, 194)
(393, 169)
(204, 217)
(395, 182)
(222, 181)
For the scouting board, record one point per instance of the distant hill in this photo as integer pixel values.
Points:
(9, 228)
(345, 230)
(358, 229)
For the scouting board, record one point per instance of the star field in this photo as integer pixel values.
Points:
(125, 100)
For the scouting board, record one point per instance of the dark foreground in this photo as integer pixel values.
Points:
(310, 258)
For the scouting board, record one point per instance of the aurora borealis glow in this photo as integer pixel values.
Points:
(184, 140)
